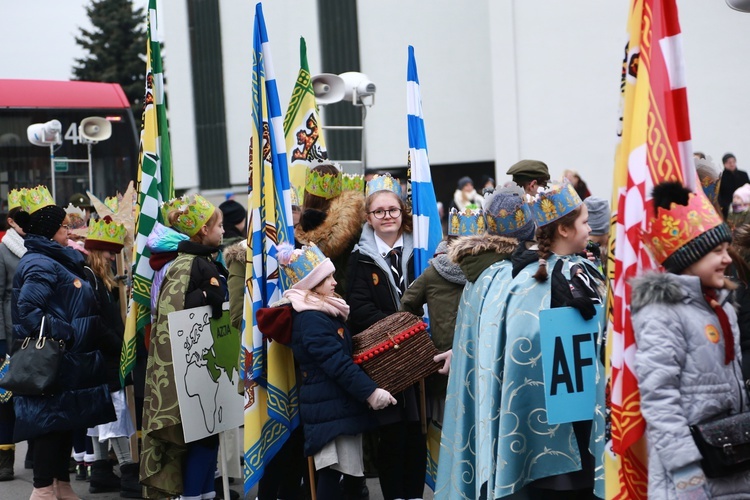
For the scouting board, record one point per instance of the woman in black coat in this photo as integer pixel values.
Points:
(50, 282)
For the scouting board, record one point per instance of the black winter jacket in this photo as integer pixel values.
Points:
(334, 389)
(50, 282)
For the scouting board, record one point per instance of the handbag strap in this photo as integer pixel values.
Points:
(41, 327)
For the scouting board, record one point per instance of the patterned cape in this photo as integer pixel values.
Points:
(469, 437)
(164, 445)
(495, 426)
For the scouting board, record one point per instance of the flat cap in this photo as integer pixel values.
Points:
(531, 169)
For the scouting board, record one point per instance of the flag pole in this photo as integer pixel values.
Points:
(223, 458)
(311, 470)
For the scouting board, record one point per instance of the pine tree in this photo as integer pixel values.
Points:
(116, 49)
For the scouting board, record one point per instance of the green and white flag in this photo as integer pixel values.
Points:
(155, 185)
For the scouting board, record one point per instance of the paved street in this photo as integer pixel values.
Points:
(20, 488)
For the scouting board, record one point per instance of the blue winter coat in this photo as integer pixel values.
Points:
(334, 389)
(50, 281)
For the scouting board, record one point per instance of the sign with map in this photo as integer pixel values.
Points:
(205, 354)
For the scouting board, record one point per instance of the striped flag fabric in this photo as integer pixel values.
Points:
(427, 229)
(155, 185)
(654, 147)
(267, 368)
(302, 127)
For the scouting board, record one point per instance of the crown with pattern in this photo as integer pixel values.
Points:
(354, 182)
(467, 223)
(195, 212)
(33, 199)
(555, 202)
(509, 221)
(383, 183)
(105, 234)
(682, 235)
(294, 196)
(112, 203)
(711, 188)
(324, 185)
(306, 267)
(14, 198)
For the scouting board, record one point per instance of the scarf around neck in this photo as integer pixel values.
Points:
(305, 300)
(14, 242)
(445, 267)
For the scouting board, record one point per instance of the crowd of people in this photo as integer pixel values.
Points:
(510, 253)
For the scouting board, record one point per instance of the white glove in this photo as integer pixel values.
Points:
(446, 356)
(380, 398)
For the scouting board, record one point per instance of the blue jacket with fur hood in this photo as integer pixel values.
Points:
(682, 378)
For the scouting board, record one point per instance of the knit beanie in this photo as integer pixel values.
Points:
(45, 222)
(505, 202)
(463, 181)
(743, 192)
(233, 212)
(598, 215)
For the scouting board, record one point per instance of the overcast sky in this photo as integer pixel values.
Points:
(37, 37)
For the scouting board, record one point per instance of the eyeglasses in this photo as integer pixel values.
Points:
(392, 212)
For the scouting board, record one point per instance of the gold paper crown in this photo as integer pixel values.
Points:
(354, 182)
(14, 198)
(383, 183)
(35, 198)
(556, 201)
(324, 185)
(673, 229)
(466, 223)
(194, 210)
(294, 195)
(112, 203)
(107, 231)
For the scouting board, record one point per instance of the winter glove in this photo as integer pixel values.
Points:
(584, 306)
(446, 356)
(380, 398)
(215, 299)
(690, 482)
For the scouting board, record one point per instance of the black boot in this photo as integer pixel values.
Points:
(7, 460)
(102, 478)
(130, 486)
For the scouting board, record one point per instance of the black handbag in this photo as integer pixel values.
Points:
(34, 365)
(724, 444)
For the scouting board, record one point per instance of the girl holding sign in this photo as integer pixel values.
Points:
(548, 460)
(687, 358)
(169, 466)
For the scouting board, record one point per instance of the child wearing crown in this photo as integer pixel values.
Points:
(104, 240)
(560, 277)
(687, 358)
(169, 467)
(334, 390)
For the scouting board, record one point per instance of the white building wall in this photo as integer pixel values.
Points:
(501, 80)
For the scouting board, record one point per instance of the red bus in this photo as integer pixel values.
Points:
(22, 164)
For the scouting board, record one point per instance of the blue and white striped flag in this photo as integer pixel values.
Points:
(271, 404)
(427, 229)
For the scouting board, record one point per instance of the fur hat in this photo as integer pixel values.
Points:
(684, 228)
(598, 215)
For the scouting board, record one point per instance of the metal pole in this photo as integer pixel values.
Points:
(91, 171)
(364, 115)
(52, 169)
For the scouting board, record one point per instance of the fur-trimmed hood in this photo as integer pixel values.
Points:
(341, 227)
(236, 252)
(669, 288)
(476, 253)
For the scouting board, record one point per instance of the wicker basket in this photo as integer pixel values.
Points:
(396, 352)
